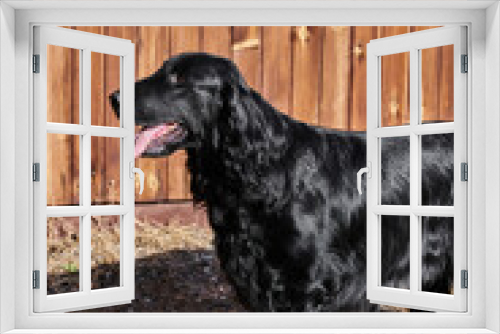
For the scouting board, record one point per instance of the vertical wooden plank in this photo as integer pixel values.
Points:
(98, 146)
(277, 67)
(389, 31)
(446, 94)
(153, 49)
(360, 37)
(54, 111)
(51, 98)
(430, 85)
(112, 145)
(112, 78)
(307, 72)
(395, 82)
(75, 115)
(58, 79)
(217, 40)
(182, 39)
(59, 109)
(337, 64)
(60, 151)
(430, 82)
(145, 61)
(247, 54)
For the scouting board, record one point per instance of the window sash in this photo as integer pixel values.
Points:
(413, 43)
(86, 298)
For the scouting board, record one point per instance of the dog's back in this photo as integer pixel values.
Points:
(307, 252)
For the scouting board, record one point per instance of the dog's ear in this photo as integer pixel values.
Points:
(237, 104)
(252, 142)
(237, 80)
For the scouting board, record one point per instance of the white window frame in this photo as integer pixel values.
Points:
(86, 297)
(413, 44)
(484, 103)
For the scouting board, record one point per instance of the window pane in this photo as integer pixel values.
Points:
(437, 254)
(63, 170)
(63, 84)
(395, 244)
(395, 171)
(437, 169)
(63, 255)
(105, 252)
(395, 94)
(105, 80)
(437, 84)
(105, 169)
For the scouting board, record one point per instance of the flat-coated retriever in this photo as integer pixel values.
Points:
(290, 226)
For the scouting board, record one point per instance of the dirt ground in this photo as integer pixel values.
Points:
(176, 269)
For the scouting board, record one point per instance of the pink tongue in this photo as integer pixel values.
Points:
(144, 138)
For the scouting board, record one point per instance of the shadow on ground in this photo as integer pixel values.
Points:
(177, 281)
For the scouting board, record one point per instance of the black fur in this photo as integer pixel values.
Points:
(290, 226)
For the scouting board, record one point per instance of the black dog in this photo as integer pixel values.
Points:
(290, 227)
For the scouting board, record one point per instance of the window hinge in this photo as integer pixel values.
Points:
(465, 172)
(465, 63)
(36, 63)
(36, 279)
(36, 172)
(465, 279)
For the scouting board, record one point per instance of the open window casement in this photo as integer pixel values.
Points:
(68, 140)
(416, 98)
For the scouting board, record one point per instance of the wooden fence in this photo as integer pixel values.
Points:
(314, 74)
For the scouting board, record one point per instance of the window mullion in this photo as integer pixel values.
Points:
(85, 244)
(414, 170)
(406, 210)
(86, 119)
(85, 253)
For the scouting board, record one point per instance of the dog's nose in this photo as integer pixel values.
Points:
(115, 102)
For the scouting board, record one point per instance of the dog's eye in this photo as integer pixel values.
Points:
(175, 79)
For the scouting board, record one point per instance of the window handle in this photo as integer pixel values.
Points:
(138, 171)
(368, 171)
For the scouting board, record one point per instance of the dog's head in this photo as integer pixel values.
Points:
(175, 105)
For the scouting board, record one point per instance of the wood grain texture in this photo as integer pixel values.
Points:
(395, 103)
(430, 81)
(315, 74)
(98, 144)
(446, 91)
(62, 169)
(277, 67)
(360, 37)
(51, 101)
(307, 73)
(149, 60)
(248, 60)
(111, 72)
(216, 40)
(112, 145)
(430, 85)
(74, 169)
(336, 78)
